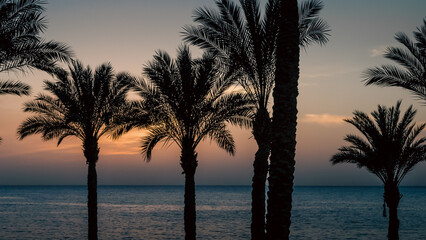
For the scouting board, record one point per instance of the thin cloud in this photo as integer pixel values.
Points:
(323, 119)
(379, 51)
(308, 84)
(314, 75)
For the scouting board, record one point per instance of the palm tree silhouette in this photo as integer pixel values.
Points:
(82, 104)
(246, 40)
(283, 146)
(412, 58)
(187, 101)
(390, 150)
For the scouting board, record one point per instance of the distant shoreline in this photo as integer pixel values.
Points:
(297, 186)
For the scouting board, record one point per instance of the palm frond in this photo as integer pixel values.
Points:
(406, 59)
(420, 37)
(15, 88)
(313, 29)
(411, 58)
(223, 138)
(348, 155)
(154, 136)
(37, 125)
(358, 143)
(132, 115)
(365, 125)
(388, 75)
(411, 47)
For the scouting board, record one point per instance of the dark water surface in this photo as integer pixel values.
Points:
(223, 212)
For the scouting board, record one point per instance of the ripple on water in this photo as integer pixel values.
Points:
(222, 213)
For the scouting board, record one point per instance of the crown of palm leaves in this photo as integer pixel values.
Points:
(391, 146)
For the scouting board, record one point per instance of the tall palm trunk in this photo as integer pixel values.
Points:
(392, 197)
(92, 201)
(91, 152)
(189, 165)
(281, 173)
(261, 133)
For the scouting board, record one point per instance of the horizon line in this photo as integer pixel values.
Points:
(175, 185)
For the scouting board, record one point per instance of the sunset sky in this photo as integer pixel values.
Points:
(127, 33)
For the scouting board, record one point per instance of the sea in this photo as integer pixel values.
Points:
(223, 212)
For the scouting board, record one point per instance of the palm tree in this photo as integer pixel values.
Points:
(187, 102)
(412, 59)
(390, 150)
(83, 104)
(283, 147)
(246, 41)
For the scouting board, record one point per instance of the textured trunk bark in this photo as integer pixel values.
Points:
(92, 201)
(189, 165)
(392, 198)
(393, 228)
(281, 171)
(189, 210)
(260, 170)
(261, 133)
(91, 152)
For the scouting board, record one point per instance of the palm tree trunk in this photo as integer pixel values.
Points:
(189, 165)
(261, 133)
(283, 146)
(189, 210)
(92, 201)
(393, 224)
(260, 171)
(392, 198)
(91, 152)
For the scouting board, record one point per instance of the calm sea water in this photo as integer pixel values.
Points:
(156, 212)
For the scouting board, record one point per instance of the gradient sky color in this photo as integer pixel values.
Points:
(127, 33)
